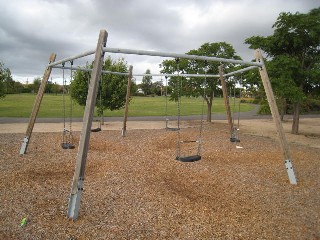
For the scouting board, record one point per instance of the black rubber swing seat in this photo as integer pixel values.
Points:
(67, 146)
(189, 158)
(172, 129)
(96, 130)
(233, 139)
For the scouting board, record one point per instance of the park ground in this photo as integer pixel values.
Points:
(134, 189)
(309, 128)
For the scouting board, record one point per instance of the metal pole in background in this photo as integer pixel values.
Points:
(178, 55)
(72, 58)
(226, 99)
(124, 128)
(140, 74)
(240, 71)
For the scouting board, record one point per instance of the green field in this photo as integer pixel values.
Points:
(20, 105)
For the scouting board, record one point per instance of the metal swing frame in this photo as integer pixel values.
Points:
(101, 49)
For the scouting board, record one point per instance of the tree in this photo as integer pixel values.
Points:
(56, 88)
(134, 87)
(157, 88)
(112, 89)
(27, 88)
(198, 86)
(49, 86)
(18, 87)
(294, 45)
(281, 70)
(36, 84)
(6, 82)
(146, 84)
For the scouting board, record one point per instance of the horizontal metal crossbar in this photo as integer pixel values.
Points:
(178, 55)
(240, 71)
(175, 75)
(90, 70)
(159, 74)
(155, 53)
(140, 74)
(84, 54)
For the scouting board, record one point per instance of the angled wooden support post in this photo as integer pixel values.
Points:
(124, 128)
(78, 177)
(226, 99)
(36, 105)
(276, 117)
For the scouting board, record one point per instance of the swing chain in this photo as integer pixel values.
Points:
(166, 93)
(70, 122)
(235, 129)
(202, 111)
(178, 86)
(64, 104)
(67, 133)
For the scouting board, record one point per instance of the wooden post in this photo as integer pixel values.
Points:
(36, 105)
(276, 117)
(78, 178)
(124, 129)
(226, 99)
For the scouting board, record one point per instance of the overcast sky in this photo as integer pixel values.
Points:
(31, 30)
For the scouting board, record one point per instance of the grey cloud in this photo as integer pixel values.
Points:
(71, 27)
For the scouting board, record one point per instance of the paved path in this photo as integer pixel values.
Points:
(243, 115)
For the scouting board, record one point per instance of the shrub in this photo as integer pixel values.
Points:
(310, 105)
(264, 109)
(250, 100)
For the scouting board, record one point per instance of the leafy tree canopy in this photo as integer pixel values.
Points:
(296, 40)
(36, 84)
(112, 90)
(146, 84)
(195, 86)
(294, 50)
(6, 81)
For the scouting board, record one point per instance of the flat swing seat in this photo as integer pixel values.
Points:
(96, 130)
(234, 139)
(189, 158)
(172, 129)
(67, 146)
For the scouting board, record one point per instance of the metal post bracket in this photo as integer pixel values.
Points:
(289, 167)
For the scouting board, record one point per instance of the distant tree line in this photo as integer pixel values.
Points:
(10, 86)
(150, 88)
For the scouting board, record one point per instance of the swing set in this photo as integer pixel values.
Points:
(197, 156)
(67, 137)
(235, 127)
(101, 49)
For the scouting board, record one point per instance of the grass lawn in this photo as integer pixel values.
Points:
(20, 105)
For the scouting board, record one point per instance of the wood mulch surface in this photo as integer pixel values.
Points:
(134, 189)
